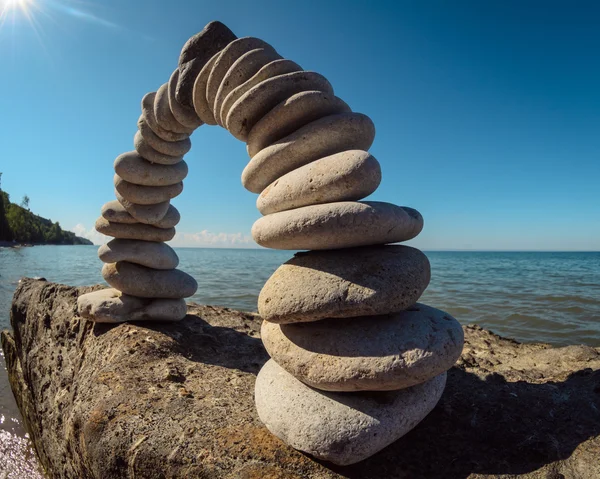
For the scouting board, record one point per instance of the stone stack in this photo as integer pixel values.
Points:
(356, 361)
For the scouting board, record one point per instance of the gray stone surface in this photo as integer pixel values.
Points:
(227, 58)
(134, 231)
(266, 95)
(143, 282)
(344, 283)
(370, 353)
(292, 114)
(320, 138)
(164, 115)
(133, 168)
(337, 225)
(111, 306)
(171, 148)
(347, 176)
(338, 427)
(115, 212)
(149, 117)
(199, 49)
(186, 115)
(244, 68)
(272, 69)
(150, 154)
(147, 214)
(146, 195)
(176, 400)
(203, 109)
(147, 253)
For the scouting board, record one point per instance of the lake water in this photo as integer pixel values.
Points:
(549, 297)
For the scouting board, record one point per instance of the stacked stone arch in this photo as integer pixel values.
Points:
(356, 361)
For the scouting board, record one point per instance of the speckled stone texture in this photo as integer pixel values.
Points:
(156, 400)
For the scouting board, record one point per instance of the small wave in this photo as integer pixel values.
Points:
(564, 299)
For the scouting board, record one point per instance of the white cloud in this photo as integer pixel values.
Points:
(208, 239)
(91, 234)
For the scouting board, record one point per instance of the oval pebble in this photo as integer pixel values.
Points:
(150, 154)
(340, 428)
(146, 195)
(183, 114)
(349, 175)
(370, 353)
(244, 68)
(133, 168)
(337, 225)
(171, 148)
(145, 282)
(163, 114)
(134, 231)
(292, 114)
(147, 253)
(201, 105)
(115, 212)
(272, 69)
(150, 119)
(320, 138)
(344, 283)
(147, 214)
(265, 96)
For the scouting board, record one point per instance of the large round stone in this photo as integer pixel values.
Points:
(346, 176)
(134, 231)
(337, 225)
(341, 428)
(150, 154)
(272, 69)
(244, 68)
(133, 168)
(171, 148)
(147, 253)
(146, 195)
(265, 96)
(292, 114)
(345, 283)
(203, 109)
(320, 138)
(370, 353)
(143, 282)
(111, 306)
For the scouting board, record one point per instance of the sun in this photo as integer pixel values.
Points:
(23, 5)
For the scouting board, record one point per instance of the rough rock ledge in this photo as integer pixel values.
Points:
(163, 400)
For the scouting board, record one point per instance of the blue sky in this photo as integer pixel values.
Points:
(487, 113)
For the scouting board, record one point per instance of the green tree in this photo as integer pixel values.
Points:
(25, 202)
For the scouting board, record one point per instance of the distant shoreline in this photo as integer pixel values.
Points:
(10, 244)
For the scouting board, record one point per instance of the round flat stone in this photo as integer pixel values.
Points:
(203, 109)
(244, 68)
(186, 115)
(337, 225)
(344, 283)
(147, 214)
(133, 168)
(111, 306)
(147, 253)
(134, 231)
(292, 114)
(340, 428)
(164, 116)
(146, 195)
(150, 154)
(346, 176)
(272, 69)
(171, 148)
(326, 136)
(143, 282)
(226, 59)
(115, 212)
(150, 119)
(370, 353)
(265, 96)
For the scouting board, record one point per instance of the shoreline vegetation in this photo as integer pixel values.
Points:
(20, 227)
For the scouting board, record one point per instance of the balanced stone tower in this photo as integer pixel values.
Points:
(356, 361)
